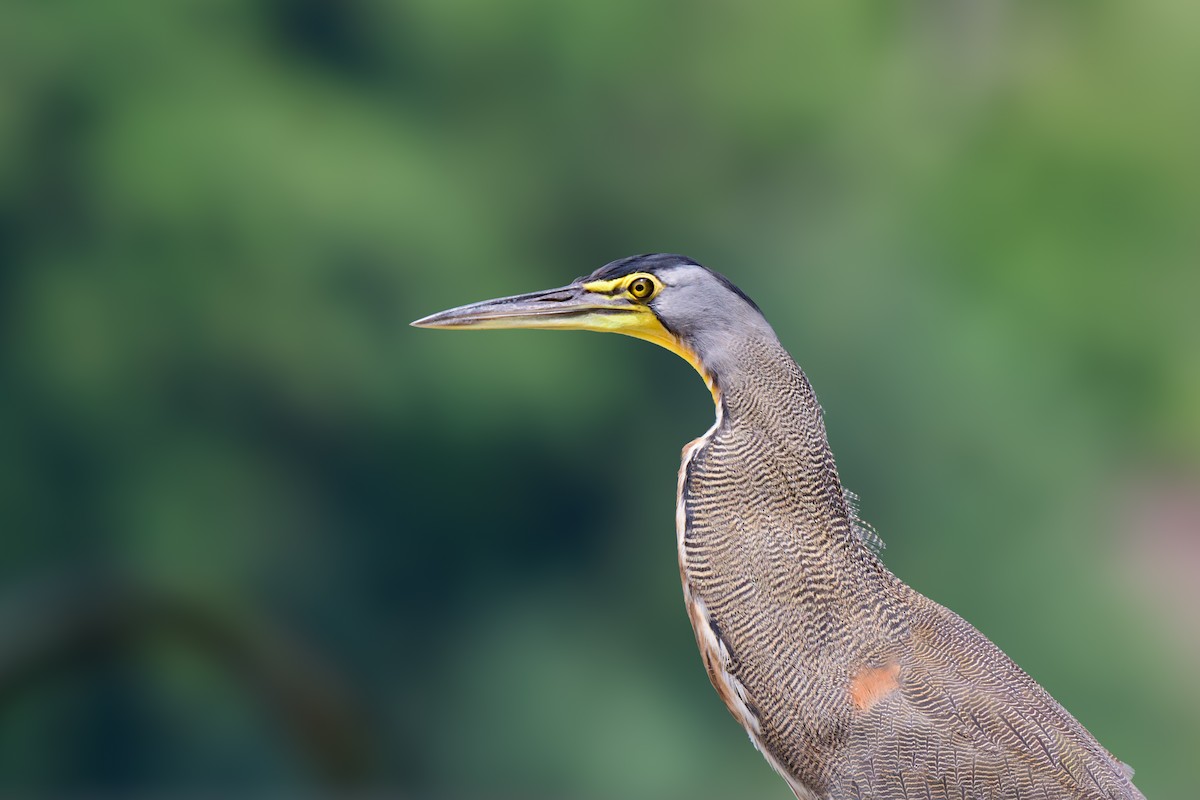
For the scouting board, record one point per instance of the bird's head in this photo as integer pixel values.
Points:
(663, 298)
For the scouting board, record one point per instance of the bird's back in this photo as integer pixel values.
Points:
(852, 684)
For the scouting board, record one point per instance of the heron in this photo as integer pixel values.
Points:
(849, 682)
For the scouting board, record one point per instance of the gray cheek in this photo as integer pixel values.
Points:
(687, 309)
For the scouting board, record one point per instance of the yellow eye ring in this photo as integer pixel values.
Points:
(641, 288)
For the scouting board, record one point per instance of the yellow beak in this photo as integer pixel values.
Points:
(573, 307)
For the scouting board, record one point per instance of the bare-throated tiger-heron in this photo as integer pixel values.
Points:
(850, 683)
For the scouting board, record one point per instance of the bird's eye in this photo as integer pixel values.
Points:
(641, 288)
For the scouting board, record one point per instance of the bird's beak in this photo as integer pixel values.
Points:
(574, 307)
(581, 307)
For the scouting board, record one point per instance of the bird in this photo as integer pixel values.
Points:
(848, 681)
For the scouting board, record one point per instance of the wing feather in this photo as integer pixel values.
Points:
(1011, 738)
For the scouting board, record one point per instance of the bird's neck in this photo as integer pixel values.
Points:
(766, 402)
(761, 505)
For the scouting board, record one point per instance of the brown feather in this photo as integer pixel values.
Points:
(851, 683)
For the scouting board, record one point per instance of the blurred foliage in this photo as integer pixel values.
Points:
(974, 224)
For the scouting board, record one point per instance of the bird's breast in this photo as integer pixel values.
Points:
(768, 594)
(717, 600)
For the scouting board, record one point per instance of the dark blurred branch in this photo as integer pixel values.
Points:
(63, 624)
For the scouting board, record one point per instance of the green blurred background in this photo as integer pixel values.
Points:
(261, 536)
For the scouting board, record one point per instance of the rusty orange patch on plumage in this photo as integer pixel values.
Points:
(871, 685)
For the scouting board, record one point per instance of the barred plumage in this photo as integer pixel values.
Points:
(804, 609)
